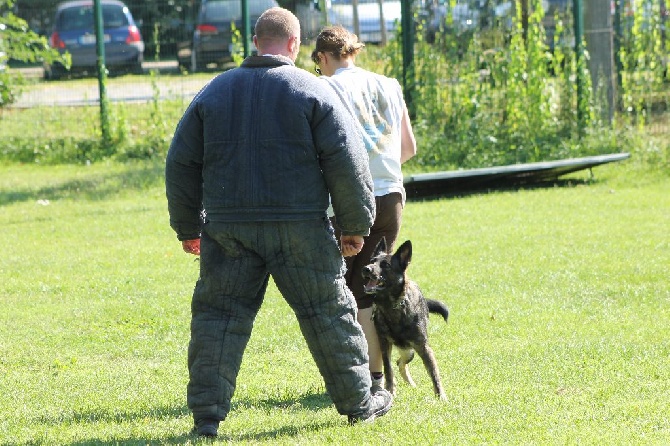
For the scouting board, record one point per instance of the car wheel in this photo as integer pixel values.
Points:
(137, 68)
(51, 74)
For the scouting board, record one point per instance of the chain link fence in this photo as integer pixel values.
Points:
(470, 61)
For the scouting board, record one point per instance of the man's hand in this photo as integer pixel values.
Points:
(350, 245)
(191, 246)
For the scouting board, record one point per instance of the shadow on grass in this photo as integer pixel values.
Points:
(311, 401)
(467, 192)
(91, 186)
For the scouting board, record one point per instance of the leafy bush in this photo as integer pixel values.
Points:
(644, 63)
(478, 105)
(143, 131)
(496, 98)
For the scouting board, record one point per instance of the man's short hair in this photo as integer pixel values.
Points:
(276, 24)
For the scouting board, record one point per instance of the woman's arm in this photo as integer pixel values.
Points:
(407, 140)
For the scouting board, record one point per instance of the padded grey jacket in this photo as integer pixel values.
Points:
(267, 142)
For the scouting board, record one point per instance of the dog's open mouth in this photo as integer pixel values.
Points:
(373, 285)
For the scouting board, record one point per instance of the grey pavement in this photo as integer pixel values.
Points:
(171, 85)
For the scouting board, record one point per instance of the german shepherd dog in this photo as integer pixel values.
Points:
(400, 314)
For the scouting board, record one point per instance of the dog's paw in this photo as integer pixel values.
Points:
(404, 372)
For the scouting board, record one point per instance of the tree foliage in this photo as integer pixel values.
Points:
(18, 42)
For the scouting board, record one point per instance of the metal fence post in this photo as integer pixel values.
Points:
(102, 70)
(246, 32)
(579, 52)
(618, 37)
(599, 41)
(407, 23)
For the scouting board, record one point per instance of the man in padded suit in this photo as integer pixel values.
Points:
(248, 176)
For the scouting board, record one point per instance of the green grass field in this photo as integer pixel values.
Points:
(559, 330)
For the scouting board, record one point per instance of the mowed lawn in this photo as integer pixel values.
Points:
(559, 330)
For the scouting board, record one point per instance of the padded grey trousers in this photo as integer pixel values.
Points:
(236, 261)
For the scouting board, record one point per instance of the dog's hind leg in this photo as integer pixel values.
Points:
(428, 357)
(406, 356)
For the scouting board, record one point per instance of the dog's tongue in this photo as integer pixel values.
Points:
(371, 286)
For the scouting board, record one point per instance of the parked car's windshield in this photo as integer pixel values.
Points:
(230, 9)
(82, 18)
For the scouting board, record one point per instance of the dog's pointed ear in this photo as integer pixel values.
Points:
(380, 248)
(404, 255)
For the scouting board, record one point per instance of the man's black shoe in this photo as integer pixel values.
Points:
(206, 427)
(380, 403)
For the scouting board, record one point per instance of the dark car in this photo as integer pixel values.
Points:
(213, 41)
(74, 32)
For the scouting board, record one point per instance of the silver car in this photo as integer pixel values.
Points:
(341, 12)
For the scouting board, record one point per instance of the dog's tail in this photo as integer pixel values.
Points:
(435, 306)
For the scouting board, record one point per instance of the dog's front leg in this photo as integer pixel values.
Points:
(387, 350)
